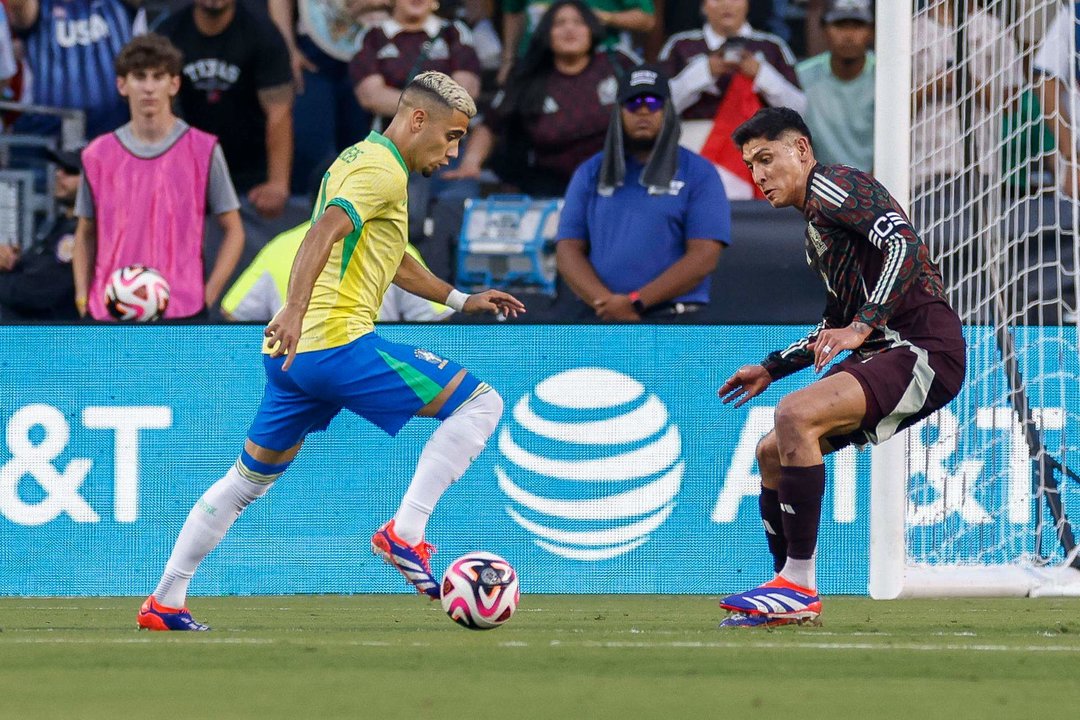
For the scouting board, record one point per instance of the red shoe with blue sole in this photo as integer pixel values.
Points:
(155, 616)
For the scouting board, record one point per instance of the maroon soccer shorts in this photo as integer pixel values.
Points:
(902, 385)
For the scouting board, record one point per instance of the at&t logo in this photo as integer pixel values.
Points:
(590, 463)
(37, 435)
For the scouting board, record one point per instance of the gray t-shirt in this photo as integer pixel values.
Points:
(839, 113)
(220, 193)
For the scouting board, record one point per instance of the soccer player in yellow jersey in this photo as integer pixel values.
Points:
(322, 355)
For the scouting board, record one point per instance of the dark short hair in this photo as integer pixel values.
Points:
(149, 52)
(770, 123)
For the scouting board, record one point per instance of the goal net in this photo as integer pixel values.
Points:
(977, 500)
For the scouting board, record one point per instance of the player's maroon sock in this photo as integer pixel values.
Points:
(801, 491)
(772, 519)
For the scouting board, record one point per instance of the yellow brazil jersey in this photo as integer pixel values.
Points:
(368, 181)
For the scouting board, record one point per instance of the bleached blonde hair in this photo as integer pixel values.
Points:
(442, 88)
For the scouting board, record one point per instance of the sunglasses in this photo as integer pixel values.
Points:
(653, 103)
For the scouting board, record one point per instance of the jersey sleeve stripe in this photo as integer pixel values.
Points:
(317, 210)
(894, 259)
(833, 194)
(350, 211)
(823, 192)
(669, 46)
(839, 191)
(353, 238)
(801, 343)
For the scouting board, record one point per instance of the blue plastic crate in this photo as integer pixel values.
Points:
(507, 241)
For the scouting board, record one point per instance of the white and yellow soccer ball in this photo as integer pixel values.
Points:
(480, 591)
(136, 294)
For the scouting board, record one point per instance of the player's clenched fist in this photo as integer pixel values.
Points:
(747, 382)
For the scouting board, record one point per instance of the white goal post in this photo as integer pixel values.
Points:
(976, 500)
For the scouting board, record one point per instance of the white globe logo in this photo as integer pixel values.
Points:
(592, 464)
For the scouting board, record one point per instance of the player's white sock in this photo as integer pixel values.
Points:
(204, 528)
(447, 455)
(801, 572)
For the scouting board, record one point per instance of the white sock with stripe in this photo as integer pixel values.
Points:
(206, 524)
(446, 456)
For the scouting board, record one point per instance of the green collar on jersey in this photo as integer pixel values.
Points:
(379, 139)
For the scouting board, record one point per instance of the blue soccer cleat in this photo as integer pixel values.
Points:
(777, 598)
(155, 616)
(742, 620)
(412, 561)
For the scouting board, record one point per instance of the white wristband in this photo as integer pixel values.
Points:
(456, 299)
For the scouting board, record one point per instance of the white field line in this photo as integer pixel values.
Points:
(818, 633)
(592, 644)
(135, 605)
(134, 641)
(765, 645)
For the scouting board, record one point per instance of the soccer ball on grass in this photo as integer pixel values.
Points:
(480, 591)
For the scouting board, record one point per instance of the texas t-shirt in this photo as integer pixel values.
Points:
(221, 79)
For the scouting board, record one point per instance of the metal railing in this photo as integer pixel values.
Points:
(27, 192)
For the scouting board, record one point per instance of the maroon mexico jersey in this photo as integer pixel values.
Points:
(572, 124)
(875, 267)
(399, 55)
(683, 47)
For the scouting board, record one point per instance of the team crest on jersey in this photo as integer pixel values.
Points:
(607, 90)
(550, 106)
(388, 52)
(349, 154)
(65, 249)
(815, 239)
(438, 49)
(430, 357)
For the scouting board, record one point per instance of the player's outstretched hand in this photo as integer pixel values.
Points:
(494, 301)
(747, 382)
(283, 334)
(829, 343)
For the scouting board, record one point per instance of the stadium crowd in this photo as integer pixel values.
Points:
(286, 85)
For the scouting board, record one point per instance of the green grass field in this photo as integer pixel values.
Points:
(560, 657)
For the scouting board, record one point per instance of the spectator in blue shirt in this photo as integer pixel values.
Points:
(645, 220)
(70, 47)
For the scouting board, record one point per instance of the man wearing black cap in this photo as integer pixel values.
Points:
(644, 220)
(839, 87)
(37, 284)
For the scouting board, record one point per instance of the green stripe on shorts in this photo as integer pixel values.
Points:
(425, 388)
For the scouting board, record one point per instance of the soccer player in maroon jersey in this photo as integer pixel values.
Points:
(885, 304)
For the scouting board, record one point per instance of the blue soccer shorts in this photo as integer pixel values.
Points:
(382, 382)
